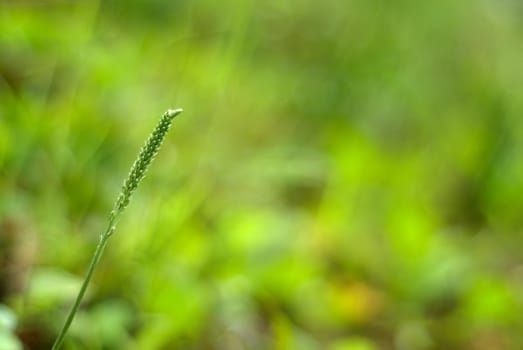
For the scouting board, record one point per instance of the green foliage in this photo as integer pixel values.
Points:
(349, 176)
(8, 340)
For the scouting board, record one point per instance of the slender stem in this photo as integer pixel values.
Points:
(92, 266)
(136, 174)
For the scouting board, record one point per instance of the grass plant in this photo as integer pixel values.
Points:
(136, 174)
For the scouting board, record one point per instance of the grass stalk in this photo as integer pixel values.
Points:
(136, 174)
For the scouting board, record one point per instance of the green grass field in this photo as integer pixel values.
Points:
(346, 175)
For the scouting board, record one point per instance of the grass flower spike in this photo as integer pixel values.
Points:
(146, 156)
(136, 174)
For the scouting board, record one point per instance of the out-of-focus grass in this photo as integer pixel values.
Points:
(345, 176)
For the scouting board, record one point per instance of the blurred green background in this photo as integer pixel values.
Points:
(346, 175)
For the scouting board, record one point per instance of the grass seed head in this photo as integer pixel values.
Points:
(145, 157)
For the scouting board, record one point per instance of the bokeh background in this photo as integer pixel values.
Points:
(347, 175)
